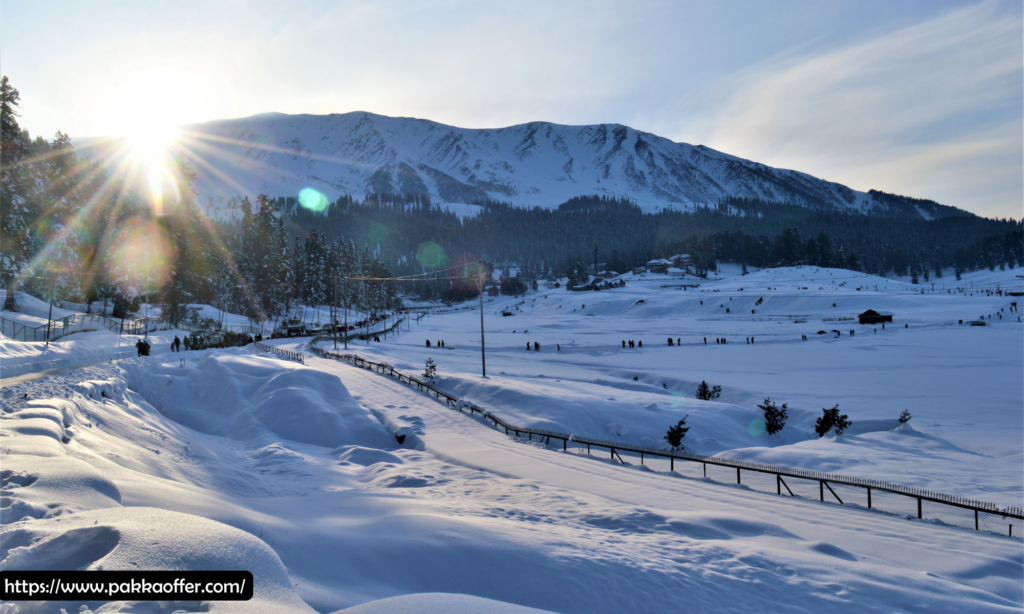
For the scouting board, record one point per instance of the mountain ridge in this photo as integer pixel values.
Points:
(531, 164)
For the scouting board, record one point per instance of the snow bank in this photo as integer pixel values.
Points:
(121, 538)
(59, 510)
(233, 394)
(439, 603)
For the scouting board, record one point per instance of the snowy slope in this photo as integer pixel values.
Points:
(961, 383)
(534, 164)
(99, 473)
(246, 462)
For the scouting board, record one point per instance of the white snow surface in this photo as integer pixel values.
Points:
(243, 461)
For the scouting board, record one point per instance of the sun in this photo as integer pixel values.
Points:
(150, 140)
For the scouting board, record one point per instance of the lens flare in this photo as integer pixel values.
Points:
(156, 189)
(139, 248)
(163, 189)
(312, 200)
(378, 233)
(756, 427)
(431, 255)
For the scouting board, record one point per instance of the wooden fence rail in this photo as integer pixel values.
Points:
(942, 508)
(262, 347)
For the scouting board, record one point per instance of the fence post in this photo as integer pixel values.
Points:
(641, 458)
(778, 483)
(919, 508)
(705, 470)
(565, 443)
(869, 497)
(672, 463)
(976, 519)
(821, 489)
(738, 475)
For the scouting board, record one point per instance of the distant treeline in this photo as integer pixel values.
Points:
(754, 232)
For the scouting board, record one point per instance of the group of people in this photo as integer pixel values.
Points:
(440, 343)
(632, 344)
(143, 347)
(195, 342)
(536, 346)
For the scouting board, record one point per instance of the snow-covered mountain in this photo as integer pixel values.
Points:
(534, 164)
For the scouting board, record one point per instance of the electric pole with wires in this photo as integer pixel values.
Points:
(483, 354)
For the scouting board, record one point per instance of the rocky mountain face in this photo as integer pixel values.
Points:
(535, 164)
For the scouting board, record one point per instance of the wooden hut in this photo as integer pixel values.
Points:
(873, 317)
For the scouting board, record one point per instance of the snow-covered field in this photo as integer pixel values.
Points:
(241, 461)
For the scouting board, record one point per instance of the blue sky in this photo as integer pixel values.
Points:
(917, 98)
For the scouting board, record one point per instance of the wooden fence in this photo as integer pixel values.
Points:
(797, 483)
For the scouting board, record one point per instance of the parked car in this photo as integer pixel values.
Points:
(279, 333)
(297, 331)
(316, 330)
(213, 340)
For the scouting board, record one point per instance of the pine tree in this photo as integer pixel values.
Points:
(298, 270)
(430, 370)
(16, 209)
(285, 275)
(831, 419)
(823, 424)
(839, 422)
(186, 271)
(774, 417)
(676, 433)
(905, 416)
(708, 393)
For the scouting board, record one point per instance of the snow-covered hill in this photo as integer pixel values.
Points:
(534, 164)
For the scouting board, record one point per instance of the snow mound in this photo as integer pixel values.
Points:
(233, 394)
(130, 538)
(439, 603)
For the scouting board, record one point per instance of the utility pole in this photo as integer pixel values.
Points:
(146, 325)
(483, 354)
(49, 318)
(334, 320)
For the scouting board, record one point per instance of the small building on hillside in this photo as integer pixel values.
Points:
(874, 317)
(658, 265)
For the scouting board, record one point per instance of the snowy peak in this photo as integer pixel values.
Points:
(533, 164)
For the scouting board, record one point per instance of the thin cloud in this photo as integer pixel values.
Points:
(932, 110)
